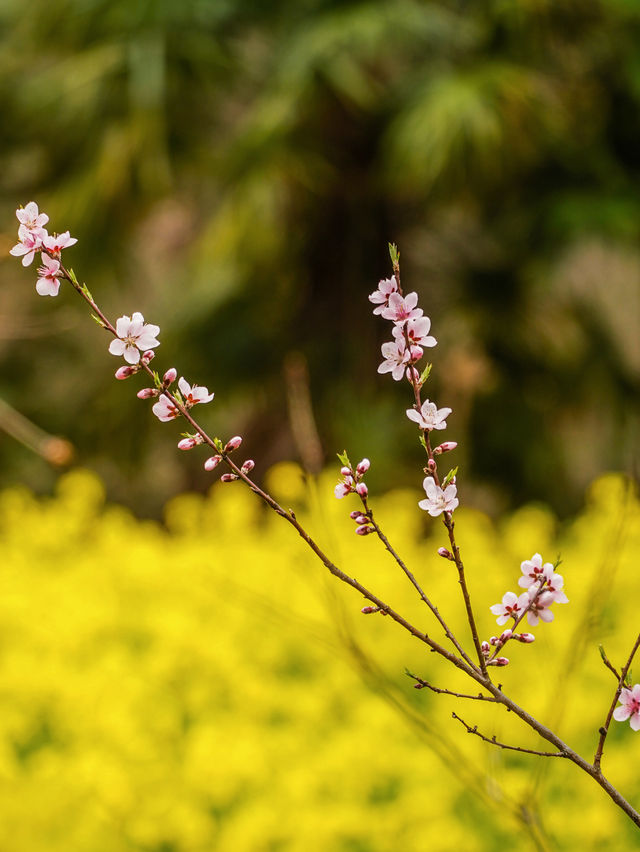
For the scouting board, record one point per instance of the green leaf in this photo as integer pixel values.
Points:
(98, 320)
(344, 459)
(218, 445)
(423, 441)
(394, 254)
(424, 375)
(449, 476)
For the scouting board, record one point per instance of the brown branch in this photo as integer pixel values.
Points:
(434, 609)
(608, 663)
(604, 730)
(493, 741)
(422, 684)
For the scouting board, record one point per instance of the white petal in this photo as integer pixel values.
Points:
(131, 354)
(122, 326)
(116, 347)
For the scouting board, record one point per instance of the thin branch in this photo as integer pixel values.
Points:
(493, 741)
(422, 684)
(412, 579)
(604, 730)
(608, 663)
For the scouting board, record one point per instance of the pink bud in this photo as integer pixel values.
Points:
(355, 514)
(345, 471)
(364, 530)
(412, 374)
(493, 640)
(431, 466)
(501, 661)
(212, 462)
(485, 648)
(362, 519)
(228, 477)
(187, 444)
(445, 447)
(125, 372)
(442, 551)
(147, 393)
(170, 376)
(147, 356)
(369, 609)
(232, 444)
(416, 354)
(527, 638)
(363, 466)
(505, 635)
(362, 489)
(248, 466)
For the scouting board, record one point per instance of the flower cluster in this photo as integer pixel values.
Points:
(543, 588)
(411, 336)
(33, 237)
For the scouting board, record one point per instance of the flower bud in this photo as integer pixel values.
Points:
(493, 640)
(501, 661)
(412, 374)
(363, 467)
(369, 609)
(361, 519)
(431, 466)
(364, 530)
(442, 551)
(505, 635)
(445, 447)
(170, 376)
(248, 466)
(147, 393)
(228, 477)
(232, 444)
(147, 356)
(527, 638)
(125, 372)
(362, 489)
(416, 354)
(355, 514)
(345, 471)
(485, 648)
(187, 444)
(212, 462)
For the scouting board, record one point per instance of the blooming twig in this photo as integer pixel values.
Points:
(604, 730)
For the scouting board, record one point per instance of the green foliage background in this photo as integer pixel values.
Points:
(206, 685)
(234, 170)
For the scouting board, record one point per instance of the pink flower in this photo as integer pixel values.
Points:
(48, 275)
(539, 607)
(133, 335)
(401, 308)
(396, 357)
(438, 501)
(417, 330)
(193, 394)
(30, 241)
(164, 409)
(30, 217)
(512, 606)
(534, 571)
(430, 416)
(380, 296)
(554, 586)
(345, 487)
(58, 242)
(629, 707)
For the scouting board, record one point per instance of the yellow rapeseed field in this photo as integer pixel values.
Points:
(206, 685)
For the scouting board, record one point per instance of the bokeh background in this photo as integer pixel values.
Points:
(235, 170)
